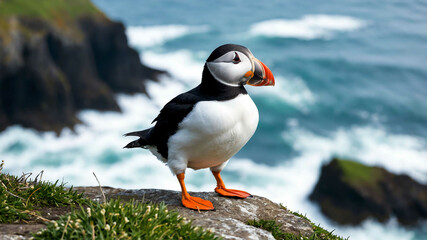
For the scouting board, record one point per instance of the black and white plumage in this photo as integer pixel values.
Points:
(206, 126)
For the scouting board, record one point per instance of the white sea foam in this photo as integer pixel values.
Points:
(371, 229)
(148, 36)
(397, 153)
(184, 65)
(74, 155)
(308, 27)
(290, 90)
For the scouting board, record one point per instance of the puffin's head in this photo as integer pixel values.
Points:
(235, 65)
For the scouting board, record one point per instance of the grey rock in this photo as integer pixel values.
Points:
(230, 217)
(18, 231)
(12, 237)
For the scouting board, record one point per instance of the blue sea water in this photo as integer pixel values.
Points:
(351, 80)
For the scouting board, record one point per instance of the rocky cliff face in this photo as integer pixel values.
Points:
(49, 70)
(349, 192)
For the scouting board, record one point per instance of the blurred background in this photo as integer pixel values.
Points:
(351, 80)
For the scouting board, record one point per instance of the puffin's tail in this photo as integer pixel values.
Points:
(141, 142)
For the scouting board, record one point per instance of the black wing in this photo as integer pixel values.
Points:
(170, 116)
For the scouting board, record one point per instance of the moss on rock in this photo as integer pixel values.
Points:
(357, 173)
(51, 10)
(349, 192)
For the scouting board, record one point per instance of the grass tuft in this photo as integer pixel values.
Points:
(273, 227)
(20, 196)
(129, 220)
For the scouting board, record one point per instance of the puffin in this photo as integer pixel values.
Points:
(206, 126)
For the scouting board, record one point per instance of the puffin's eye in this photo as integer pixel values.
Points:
(236, 58)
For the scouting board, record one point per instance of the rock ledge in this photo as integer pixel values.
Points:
(231, 215)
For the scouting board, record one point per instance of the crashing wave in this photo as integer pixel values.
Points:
(149, 36)
(308, 27)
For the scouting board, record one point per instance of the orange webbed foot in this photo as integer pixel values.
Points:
(220, 189)
(197, 203)
(193, 202)
(232, 192)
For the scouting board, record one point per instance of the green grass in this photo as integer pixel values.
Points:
(271, 226)
(356, 173)
(20, 196)
(129, 220)
(319, 232)
(46, 9)
(62, 14)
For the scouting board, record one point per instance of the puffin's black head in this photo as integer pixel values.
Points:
(235, 65)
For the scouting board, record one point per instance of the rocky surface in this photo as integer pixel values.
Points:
(229, 218)
(18, 231)
(52, 68)
(23, 230)
(349, 192)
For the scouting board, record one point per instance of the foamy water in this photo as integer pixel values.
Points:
(290, 90)
(156, 35)
(308, 27)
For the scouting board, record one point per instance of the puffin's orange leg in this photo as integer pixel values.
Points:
(192, 202)
(220, 188)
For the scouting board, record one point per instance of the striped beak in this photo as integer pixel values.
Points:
(262, 75)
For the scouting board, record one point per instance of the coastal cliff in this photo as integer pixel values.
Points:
(349, 193)
(59, 57)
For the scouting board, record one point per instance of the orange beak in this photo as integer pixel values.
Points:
(262, 75)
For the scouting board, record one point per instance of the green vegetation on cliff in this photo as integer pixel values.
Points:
(357, 173)
(273, 227)
(62, 14)
(46, 9)
(20, 196)
(128, 220)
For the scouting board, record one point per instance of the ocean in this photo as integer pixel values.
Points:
(351, 80)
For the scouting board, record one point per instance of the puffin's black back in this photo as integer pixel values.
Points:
(178, 108)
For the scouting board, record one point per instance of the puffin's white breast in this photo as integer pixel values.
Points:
(213, 132)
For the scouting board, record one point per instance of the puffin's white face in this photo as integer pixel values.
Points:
(235, 65)
(233, 68)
